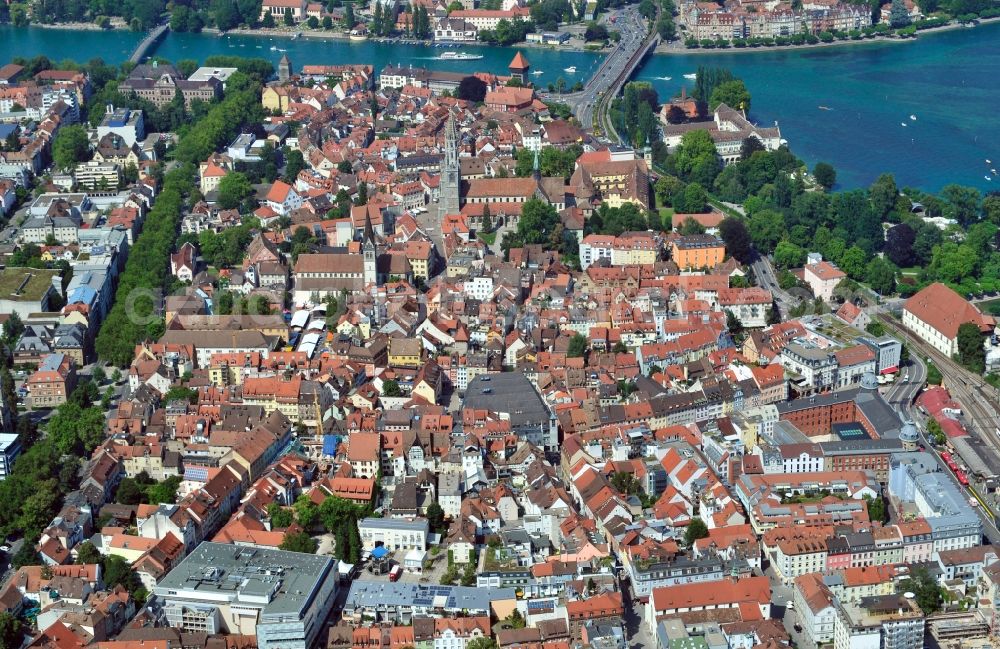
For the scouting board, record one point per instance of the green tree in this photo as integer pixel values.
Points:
(693, 200)
(164, 491)
(471, 88)
(733, 323)
(516, 620)
(963, 203)
(696, 529)
(852, 262)
(280, 516)
(767, 228)
(435, 516)
(449, 576)
(267, 21)
(883, 194)
(880, 276)
(299, 542)
(898, 15)
(689, 226)
(11, 631)
(577, 346)
(825, 175)
(129, 492)
(469, 579)
(668, 188)
(390, 388)
(970, 347)
(876, 509)
(233, 189)
(788, 255)
(922, 584)
(70, 147)
(626, 483)
(696, 159)
(484, 642)
(293, 165)
(87, 554)
(118, 572)
(732, 93)
(306, 512)
(737, 238)
(875, 328)
(289, 19)
(951, 262)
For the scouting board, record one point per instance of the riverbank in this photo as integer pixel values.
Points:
(290, 33)
(678, 48)
(86, 27)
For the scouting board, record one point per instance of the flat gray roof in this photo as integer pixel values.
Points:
(419, 524)
(509, 393)
(382, 594)
(279, 582)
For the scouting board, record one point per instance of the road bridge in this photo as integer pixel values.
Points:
(149, 42)
(616, 69)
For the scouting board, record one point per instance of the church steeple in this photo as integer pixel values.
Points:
(369, 234)
(369, 250)
(449, 200)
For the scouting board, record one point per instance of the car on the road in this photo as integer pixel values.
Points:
(4, 548)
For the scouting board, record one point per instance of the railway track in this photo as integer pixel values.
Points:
(966, 386)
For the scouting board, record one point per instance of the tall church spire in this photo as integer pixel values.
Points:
(449, 202)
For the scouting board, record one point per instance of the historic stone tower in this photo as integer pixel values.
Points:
(448, 202)
(284, 68)
(519, 68)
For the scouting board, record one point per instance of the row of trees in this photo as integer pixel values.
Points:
(133, 316)
(638, 113)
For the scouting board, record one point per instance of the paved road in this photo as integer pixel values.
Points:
(910, 380)
(768, 279)
(634, 30)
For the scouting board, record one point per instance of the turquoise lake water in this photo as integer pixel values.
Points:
(950, 81)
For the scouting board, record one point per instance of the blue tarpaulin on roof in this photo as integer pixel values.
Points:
(330, 444)
(379, 552)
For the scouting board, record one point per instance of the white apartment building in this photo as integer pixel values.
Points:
(394, 533)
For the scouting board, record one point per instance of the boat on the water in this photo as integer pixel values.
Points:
(459, 56)
(913, 117)
(690, 76)
(571, 69)
(824, 108)
(537, 72)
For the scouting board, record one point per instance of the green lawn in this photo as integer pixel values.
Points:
(666, 216)
(489, 238)
(990, 306)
